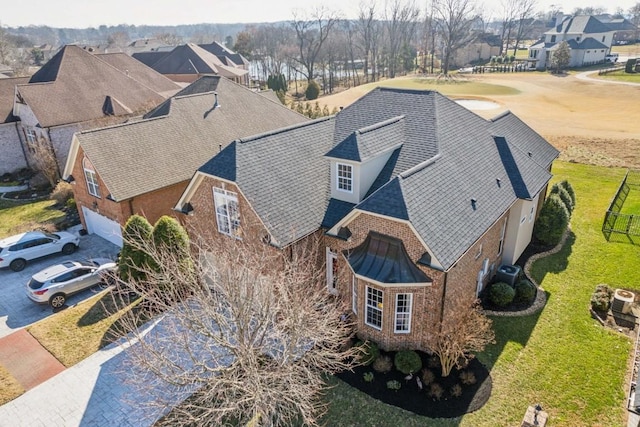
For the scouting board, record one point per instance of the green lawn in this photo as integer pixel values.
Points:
(620, 76)
(18, 215)
(560, 358)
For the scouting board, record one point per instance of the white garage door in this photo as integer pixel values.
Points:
(102, 226)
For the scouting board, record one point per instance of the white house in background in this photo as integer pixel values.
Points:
(589, 40)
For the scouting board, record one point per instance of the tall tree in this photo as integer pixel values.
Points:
(401, 21)
(311, 33)
(507, 22)
(561, 57)
(634, 13)
(455, 18)
(368, 29)
(526, 11)
(253, 342)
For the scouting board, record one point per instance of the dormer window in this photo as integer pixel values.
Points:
(345, 177)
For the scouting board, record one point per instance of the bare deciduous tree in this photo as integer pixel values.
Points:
(44, 160)
(369, 31)
(311, 33)
(524, 20)
(401, 22)
(248, 329)
(464, 331)
(455, 18)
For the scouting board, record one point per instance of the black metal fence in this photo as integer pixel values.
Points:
(616, 222)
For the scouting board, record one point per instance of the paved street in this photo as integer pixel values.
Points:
(18, 311)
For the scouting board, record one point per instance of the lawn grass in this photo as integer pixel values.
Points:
(77, 332)
(14, 215)
(621, 76)
(560, 357)
(9, 387)
(627, 49)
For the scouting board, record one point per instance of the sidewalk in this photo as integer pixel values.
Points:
(93, 392)
(26, 360)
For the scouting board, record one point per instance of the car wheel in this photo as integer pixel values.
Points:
(57, 301)
(18, 264)
(68, 249)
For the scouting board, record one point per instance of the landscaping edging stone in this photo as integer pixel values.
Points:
(541, 296)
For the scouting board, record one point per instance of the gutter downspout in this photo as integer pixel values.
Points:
(444, 293)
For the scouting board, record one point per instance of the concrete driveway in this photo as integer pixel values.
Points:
(18, 311)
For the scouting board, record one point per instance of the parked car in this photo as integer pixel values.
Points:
(16, 250)
(54, 284)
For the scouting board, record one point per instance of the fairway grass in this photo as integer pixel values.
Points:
(560, 357)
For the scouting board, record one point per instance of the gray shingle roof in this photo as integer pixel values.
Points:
(448, 157)
(221, 51)
(284, 175)
(192, 59)
(370, 141)
(73, 86)
(585, 24)
(143, 156)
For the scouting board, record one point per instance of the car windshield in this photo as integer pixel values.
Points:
(52, 236)
(34, 284)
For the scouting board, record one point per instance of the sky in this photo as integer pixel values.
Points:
(93, 13)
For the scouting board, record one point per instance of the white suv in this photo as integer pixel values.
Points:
(16, 250)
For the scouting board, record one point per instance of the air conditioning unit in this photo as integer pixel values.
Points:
(622, 301)
(509, 274)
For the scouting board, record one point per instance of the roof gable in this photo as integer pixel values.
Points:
(370, 141)
(73, 85)
(166, 149)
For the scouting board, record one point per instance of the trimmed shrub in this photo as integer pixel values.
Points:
(427, 376)
(456, 390)
(408, 361)
(525, 292)
(368, 377)
(313, 90)
(564, 196)
(501, 294)
(62, 193)
(383, 364)
(394, 385)
(601, 298)
(169, 235)
(133, 259)
(569, 189)
(436, 391)
(369, 352)
(71, 204)
(552, 222)
(467, 377)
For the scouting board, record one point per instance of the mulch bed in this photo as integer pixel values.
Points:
(411, 398)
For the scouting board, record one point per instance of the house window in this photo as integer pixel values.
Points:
(553, 39)
(501, 244)
(345, 177)
(603, 38)
(479, 251)
(578, 39)
(481, 275)
(354, 295)
(227, 212)
(332, 271)
(403, 313)
(531, 214)
(92, 182)
(31, 135)
(373, 317)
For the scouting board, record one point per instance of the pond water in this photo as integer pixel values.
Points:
(475, 104)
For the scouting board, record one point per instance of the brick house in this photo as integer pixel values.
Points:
(79, 90)
(142, 167)
(416, 201)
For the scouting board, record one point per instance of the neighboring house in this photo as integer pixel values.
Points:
(625, 31)
(143, 167)
(482, 48)
(188, 62)
(415, 199)
(589, 40)
(11, 148)
(79, 90)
